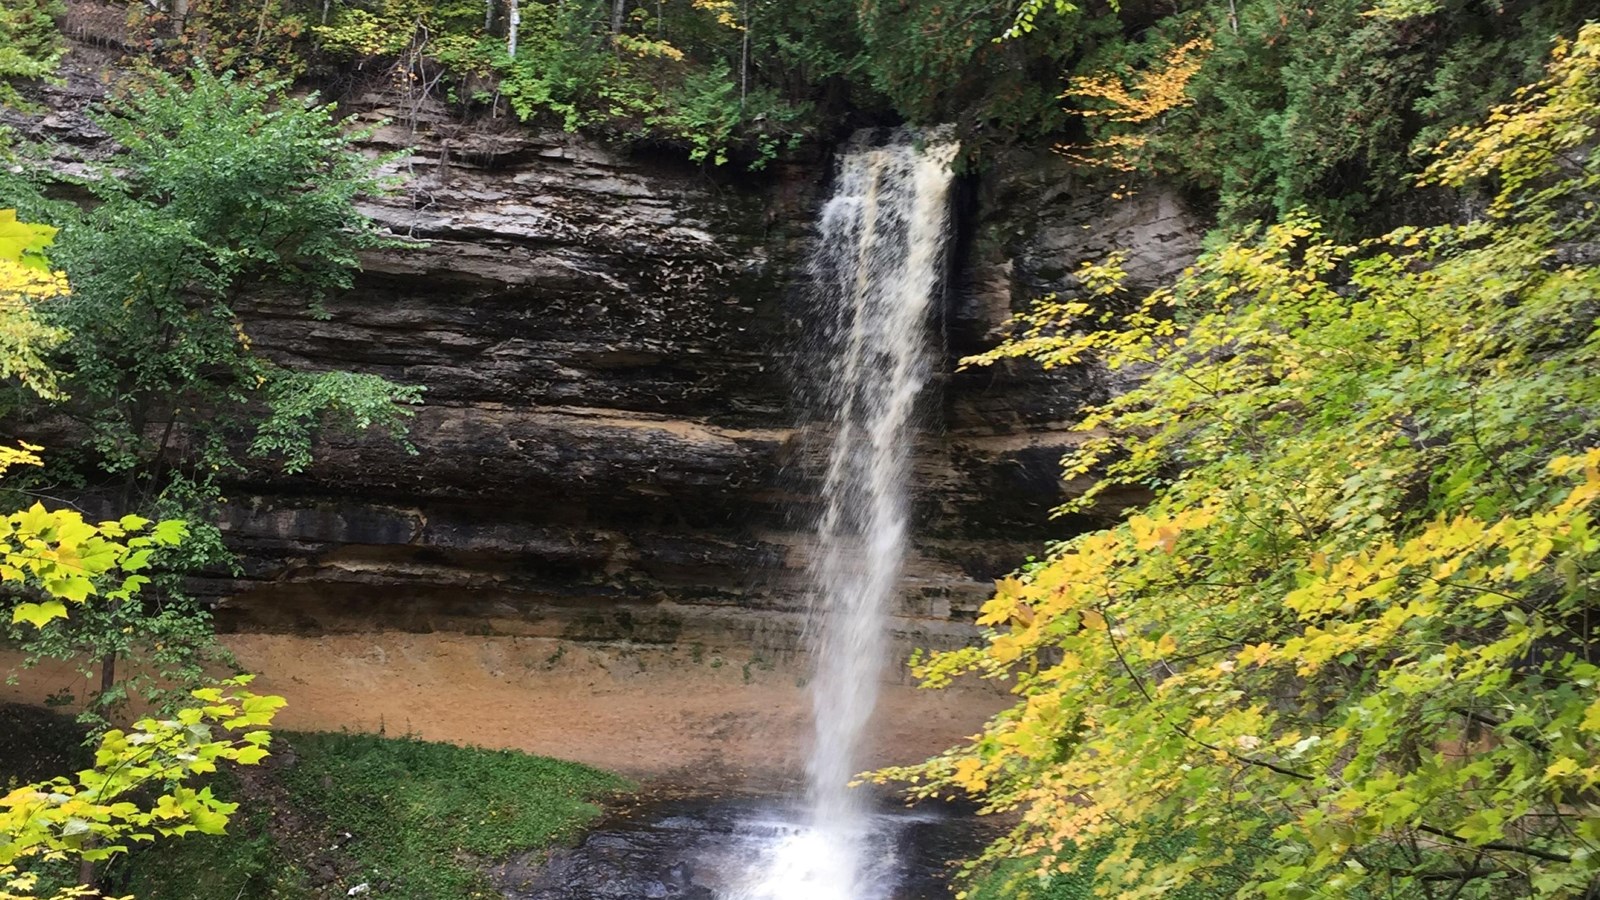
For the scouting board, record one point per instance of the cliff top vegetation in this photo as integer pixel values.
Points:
(1322, 105)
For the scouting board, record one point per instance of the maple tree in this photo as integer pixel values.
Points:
(137, 789)
(53, 561)
(26, 279)
(1347, 648)
(1124, 107)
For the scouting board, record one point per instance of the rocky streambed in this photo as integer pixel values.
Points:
(719, 848)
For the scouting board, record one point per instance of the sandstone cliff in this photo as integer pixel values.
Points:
(610, 344)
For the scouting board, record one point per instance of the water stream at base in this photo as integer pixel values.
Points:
(877, 266)
(709, 848)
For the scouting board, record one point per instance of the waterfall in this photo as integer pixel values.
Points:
(876, 268)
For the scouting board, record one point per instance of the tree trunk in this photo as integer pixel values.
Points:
(488, 17)
(744, 58)
(108, 673)
(619, 15)
(87, 876)
(512, 24)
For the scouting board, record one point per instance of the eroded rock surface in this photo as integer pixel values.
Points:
(608, 448)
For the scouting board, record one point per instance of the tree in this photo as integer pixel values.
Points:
(1347, 649)
(223, 187)
(1126, 111)
(30, 45)
(54, 566)
(137, 790)
(26, 280)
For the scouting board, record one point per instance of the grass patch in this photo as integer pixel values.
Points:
(412, 819)
(244, 864)
(415, 809)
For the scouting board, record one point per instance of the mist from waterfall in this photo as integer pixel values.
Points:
(876, 269)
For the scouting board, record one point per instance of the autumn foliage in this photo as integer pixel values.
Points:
(1349, 648)
(1124, 111)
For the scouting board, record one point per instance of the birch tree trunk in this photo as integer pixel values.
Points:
(512, 23)
(619, 14)
(744, 58)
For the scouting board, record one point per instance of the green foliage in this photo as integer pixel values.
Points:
(302, 402)
(424, 819)
(1312, 106)
(246, 37)
(1351, 624)
(241, 864)
(938, 60)
(30, 45)
(1027, 17)
(1324, 108)
(264, 182)
(224, 186)
(569, 69)
(563, 71)
(1012, 878)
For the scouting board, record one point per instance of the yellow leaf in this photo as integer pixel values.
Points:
(1561, 767)
(1591, 717)
(39, 614)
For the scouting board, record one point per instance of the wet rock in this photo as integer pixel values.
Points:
(699, 849)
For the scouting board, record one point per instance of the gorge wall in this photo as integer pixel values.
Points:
(608, 450)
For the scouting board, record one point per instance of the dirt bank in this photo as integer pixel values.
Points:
(713, 718)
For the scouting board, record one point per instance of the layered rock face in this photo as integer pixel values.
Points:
(609, 449)
(603, 342)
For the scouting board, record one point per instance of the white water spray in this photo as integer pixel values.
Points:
(877, 266)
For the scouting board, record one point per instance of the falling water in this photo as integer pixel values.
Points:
(877, 266)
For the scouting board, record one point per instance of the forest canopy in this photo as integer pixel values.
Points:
(1325, 106)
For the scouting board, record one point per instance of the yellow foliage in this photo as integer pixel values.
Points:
(1535, 136)
(726, 12)
(646, 47)
(1348, 648)
(1120, 101)
(53, 560)
(93, 815)
(25, 283)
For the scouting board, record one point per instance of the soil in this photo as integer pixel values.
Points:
(38, 743)
(713, 719)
